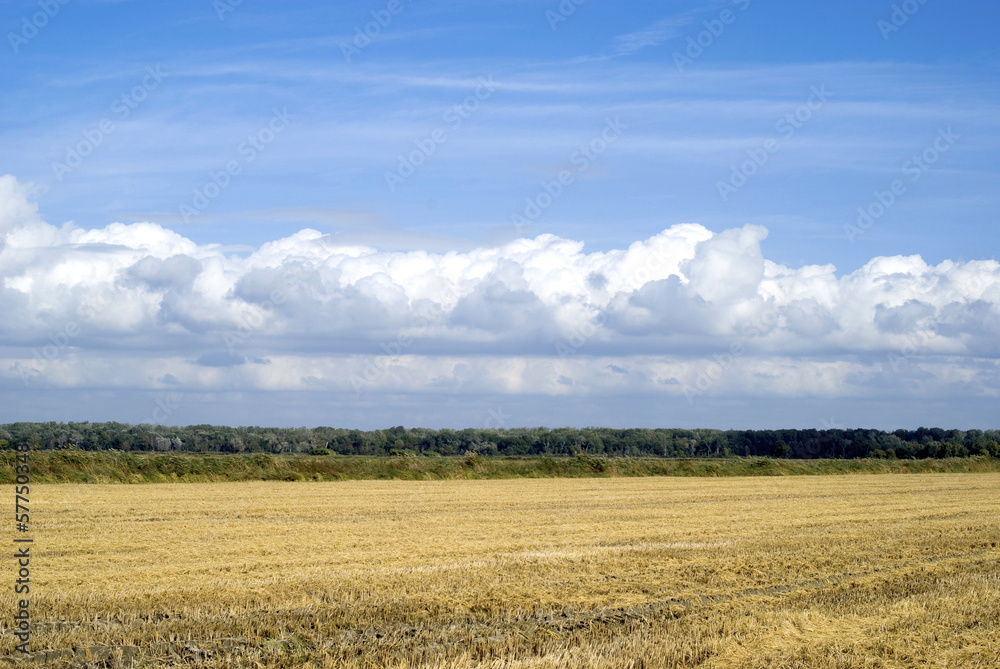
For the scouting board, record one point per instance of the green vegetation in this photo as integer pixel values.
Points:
(77, 466)
(539, 441)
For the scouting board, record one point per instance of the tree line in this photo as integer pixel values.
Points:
(594, 441)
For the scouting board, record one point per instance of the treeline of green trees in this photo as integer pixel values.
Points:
(595, 441)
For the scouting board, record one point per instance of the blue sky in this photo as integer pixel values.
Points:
(511, 166)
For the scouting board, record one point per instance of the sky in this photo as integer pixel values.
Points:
(740, 214)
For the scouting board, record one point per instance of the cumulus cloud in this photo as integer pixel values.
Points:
(685, 312)
(903, 318)
(16, 210)
(176, 272)
(728, 267)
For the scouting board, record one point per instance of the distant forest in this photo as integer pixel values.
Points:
(596, 441)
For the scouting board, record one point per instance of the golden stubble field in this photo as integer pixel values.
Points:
(834, 571)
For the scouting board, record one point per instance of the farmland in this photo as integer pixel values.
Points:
(819, 571)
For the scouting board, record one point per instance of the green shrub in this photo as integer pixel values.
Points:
(596, 464)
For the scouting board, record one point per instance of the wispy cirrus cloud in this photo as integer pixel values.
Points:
(654, 34)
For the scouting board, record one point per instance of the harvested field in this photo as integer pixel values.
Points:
(833, 571)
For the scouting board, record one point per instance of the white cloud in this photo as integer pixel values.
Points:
(15, 208)
(684, 312)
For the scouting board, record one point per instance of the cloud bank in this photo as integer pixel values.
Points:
(685, 314)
